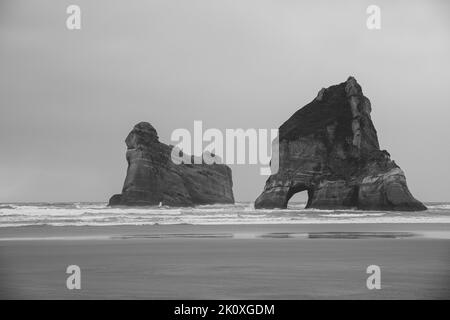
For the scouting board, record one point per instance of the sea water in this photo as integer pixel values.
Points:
(99, 214)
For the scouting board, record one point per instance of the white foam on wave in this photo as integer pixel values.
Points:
(99, 214)
(439, 206)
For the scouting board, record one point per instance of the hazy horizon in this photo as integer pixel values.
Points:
(68, 98)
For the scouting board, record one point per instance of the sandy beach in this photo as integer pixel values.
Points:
(227, 262)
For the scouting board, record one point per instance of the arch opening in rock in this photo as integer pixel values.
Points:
(298, 197)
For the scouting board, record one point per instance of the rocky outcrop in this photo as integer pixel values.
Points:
(330, 149)
(153, 178)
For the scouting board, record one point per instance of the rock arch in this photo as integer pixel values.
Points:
(330, 148)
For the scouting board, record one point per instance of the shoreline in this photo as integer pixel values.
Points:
(232, 229)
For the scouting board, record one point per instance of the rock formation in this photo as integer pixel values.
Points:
(152, 178)
(330, 149)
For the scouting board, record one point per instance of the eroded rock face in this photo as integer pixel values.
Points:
(330, 149)
(152, 178)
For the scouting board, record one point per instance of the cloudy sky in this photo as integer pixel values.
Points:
(69, 98)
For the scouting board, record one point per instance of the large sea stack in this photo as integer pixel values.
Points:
(153, 178)
(330, 149)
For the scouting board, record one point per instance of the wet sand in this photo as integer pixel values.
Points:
(317, 261)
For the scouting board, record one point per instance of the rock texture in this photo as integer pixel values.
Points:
(152, 178)
(330, 149)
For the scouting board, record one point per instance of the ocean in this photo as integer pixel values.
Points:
(99, 214)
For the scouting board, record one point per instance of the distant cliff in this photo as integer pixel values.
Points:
(152, 178)
(330, 149)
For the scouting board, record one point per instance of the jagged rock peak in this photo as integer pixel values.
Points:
(142, 134)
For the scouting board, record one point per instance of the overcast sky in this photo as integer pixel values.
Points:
(69, 98)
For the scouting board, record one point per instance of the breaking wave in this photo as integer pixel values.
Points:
(99, 214)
